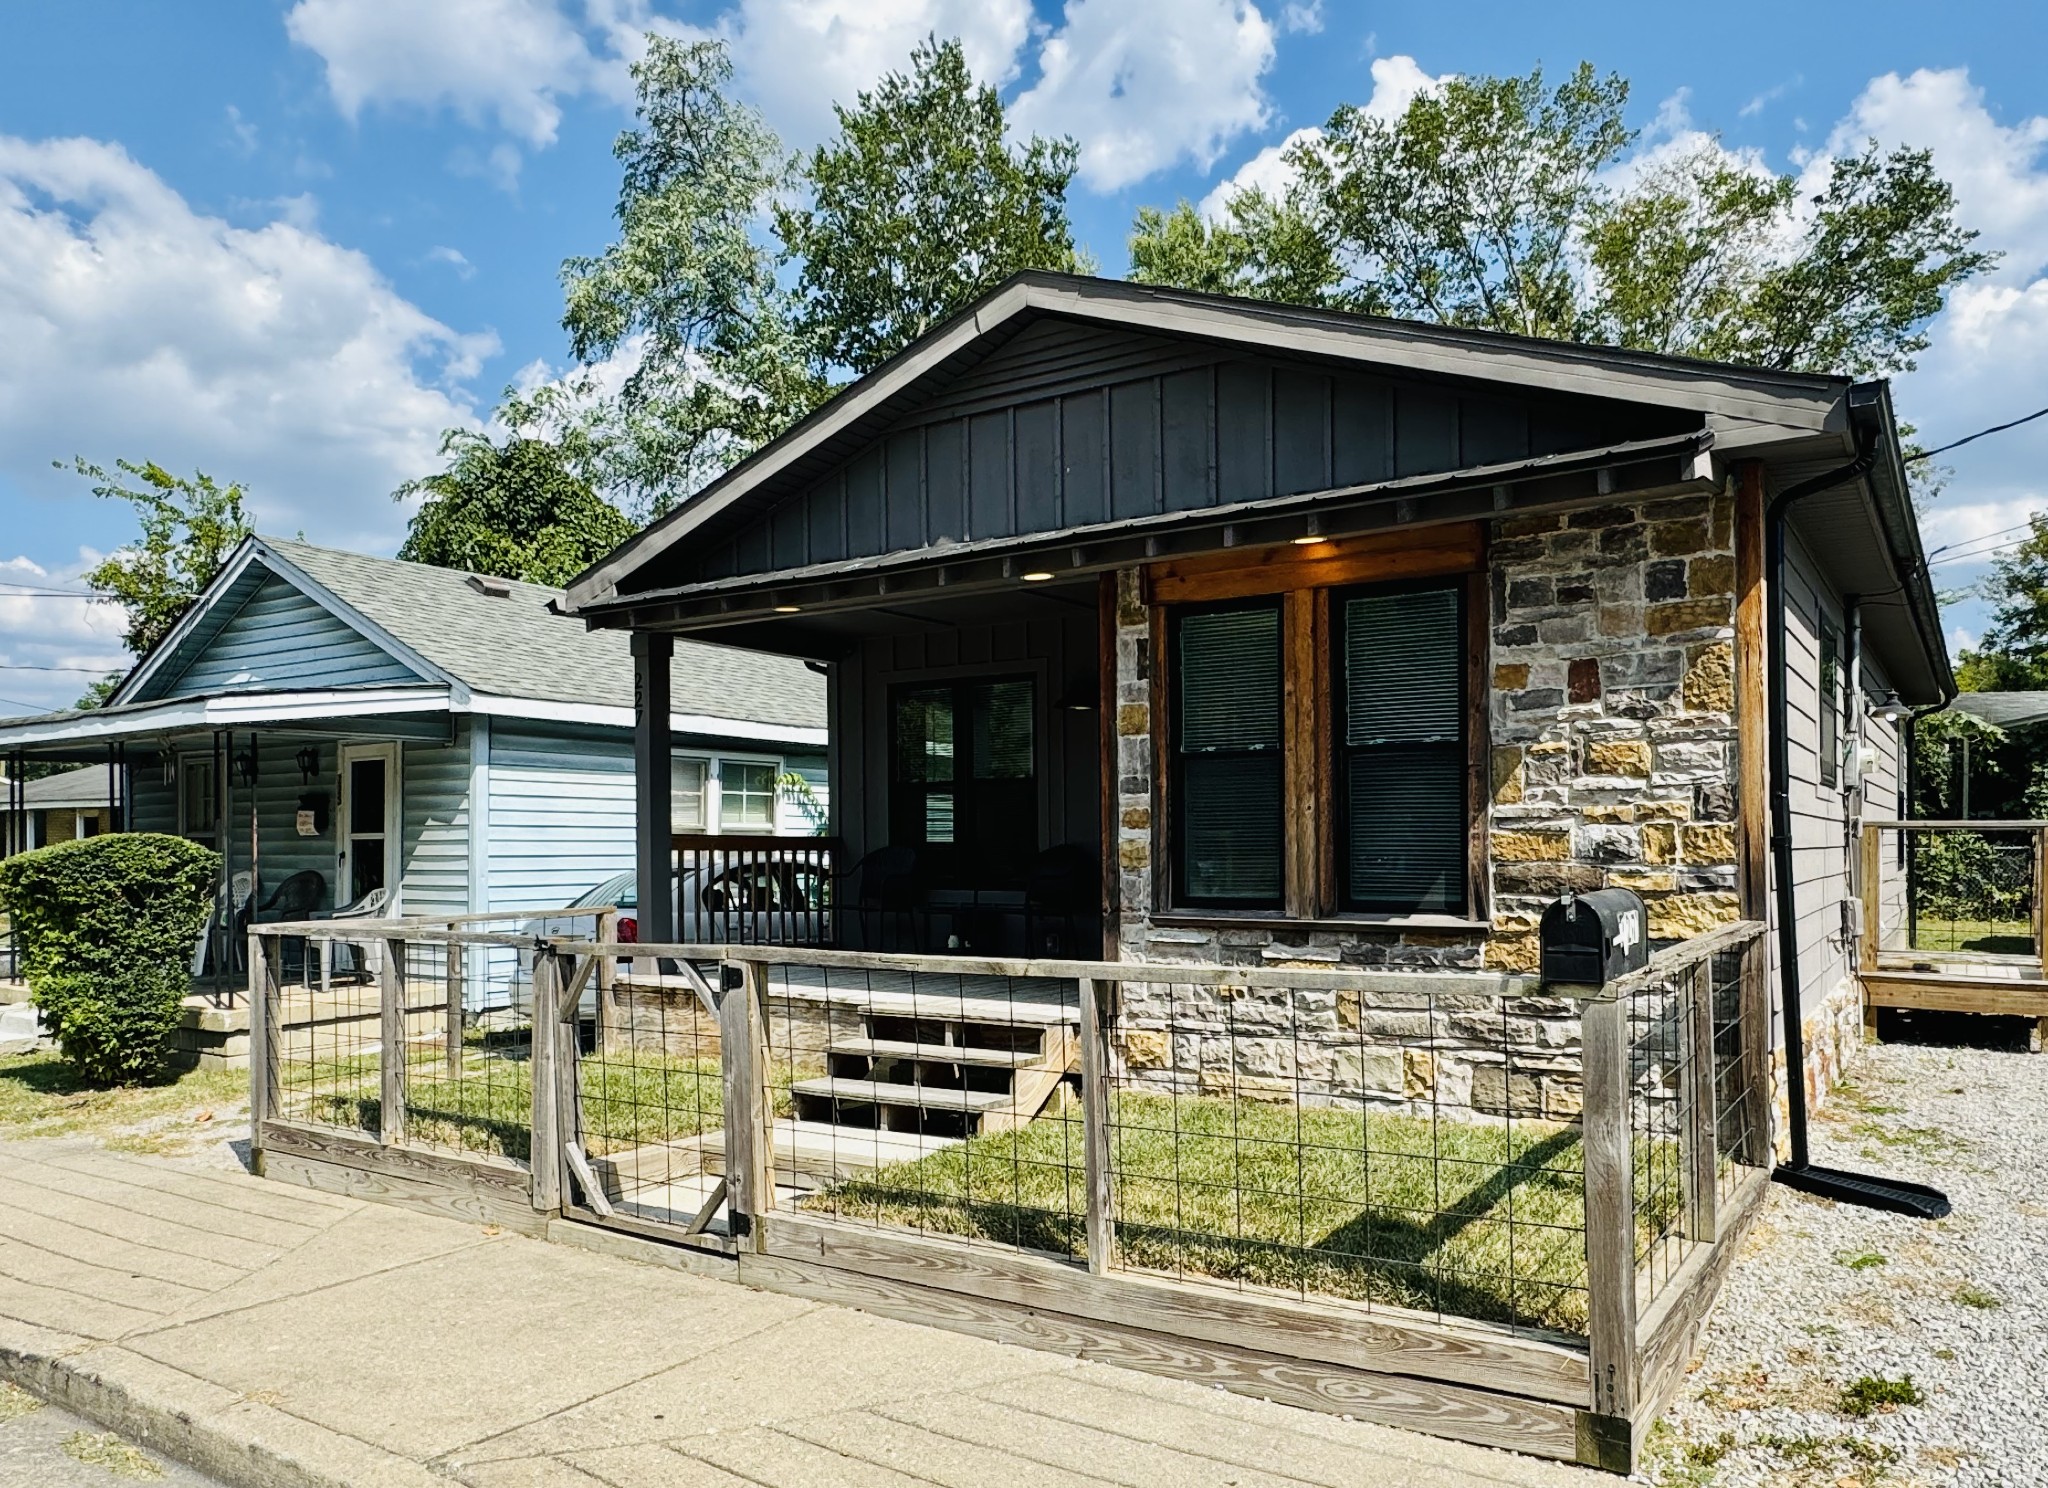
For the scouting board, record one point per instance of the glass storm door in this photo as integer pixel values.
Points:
(368, 857)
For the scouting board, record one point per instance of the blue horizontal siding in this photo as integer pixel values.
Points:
(435, 833)
(561, 813)
(280, 638)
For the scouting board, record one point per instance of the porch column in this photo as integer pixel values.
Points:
(651, 770)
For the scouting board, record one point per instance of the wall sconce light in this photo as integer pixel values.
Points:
(1886, 705)
(242, 765)
(308, 761)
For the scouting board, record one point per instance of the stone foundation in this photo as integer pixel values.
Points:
(1833, 1032)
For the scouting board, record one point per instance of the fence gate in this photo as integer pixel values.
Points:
(632, 1090)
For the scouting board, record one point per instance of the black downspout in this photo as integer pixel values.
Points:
(1799, 1173)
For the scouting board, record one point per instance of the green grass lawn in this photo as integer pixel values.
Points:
(1988, 937)
(1463, 1217)
(42, 1096)
(630, 1098)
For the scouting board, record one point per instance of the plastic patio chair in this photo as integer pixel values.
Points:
(368, 907)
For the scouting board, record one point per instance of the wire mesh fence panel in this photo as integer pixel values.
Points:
(1967, 890)
(1741, 1111)
(649, 1087)
(1663, 1113)
(938, 1101)
(1408, 1149)
(328, 1031)
(468, 1052)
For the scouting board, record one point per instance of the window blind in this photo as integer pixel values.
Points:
(1228, 740)
(1401, 752)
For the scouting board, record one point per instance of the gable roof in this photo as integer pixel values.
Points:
(444, 630)
(1737, 403)
(2004, 709)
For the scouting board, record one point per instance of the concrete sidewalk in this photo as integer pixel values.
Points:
(268, 1334)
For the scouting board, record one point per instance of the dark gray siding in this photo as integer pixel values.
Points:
(1060, 654)
(1069, 426)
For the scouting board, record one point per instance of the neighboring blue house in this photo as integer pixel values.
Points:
(440, 735)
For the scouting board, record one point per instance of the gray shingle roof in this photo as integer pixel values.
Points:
(2005, 709)
(85, 787)
(515, 647)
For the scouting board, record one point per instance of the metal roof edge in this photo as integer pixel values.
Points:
(1870, 404)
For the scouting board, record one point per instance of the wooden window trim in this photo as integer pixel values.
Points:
(1304, 577)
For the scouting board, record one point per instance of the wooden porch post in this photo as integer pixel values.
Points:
(1752, 725)
(544, 1152)
(262, 1005)
(391, 1041)
(651, 783)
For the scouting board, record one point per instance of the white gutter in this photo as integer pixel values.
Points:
(226, 710)
(601, 715)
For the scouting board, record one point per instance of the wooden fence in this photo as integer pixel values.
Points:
(1086, 1098)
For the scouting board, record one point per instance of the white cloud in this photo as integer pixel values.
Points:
(51, 648)
(506, 62)
(1396, 82)
(455, 258)
(131, 325)
(1145, 84)
(796, 58)
(1768, 97)
(1987, 360)
(1304, 16)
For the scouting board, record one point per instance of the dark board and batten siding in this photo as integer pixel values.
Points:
(1070, 426)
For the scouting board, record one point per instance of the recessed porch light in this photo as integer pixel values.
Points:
(1036, 576)
(1310, 541)
(788, 609)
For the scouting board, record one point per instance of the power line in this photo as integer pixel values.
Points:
(1981, 538)
(8, 666)
(46, 594)
(1968, 438)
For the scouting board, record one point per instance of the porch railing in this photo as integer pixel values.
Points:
(1967, 889)
(741, 889)
(1459, 1201)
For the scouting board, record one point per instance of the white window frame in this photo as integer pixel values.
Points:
(705, 792)
(715, 792)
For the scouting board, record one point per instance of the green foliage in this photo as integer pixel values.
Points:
(721, 368)
(109, 925)
(1491, 203)
(918, 207)
(2013, 653)
(515, 509)
(1871, 1393)
(189, 527)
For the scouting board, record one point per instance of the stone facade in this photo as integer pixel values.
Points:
(1612, 751)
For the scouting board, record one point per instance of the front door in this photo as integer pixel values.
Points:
(367, 857)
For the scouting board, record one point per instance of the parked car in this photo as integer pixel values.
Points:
(716, 901)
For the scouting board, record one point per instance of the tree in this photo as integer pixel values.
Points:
(688, 286)
(518, 509)
(1494, 203)
(2012, 654)
(189, 527)
(919, 206)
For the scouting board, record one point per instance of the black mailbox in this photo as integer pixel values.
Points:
(1591, 939)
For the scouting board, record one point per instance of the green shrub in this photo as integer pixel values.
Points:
(108, 925)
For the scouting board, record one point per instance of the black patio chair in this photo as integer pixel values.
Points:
(298, 897)
(1063, 889)
(888, 890)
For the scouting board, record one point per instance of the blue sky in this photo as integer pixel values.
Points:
(291, 242)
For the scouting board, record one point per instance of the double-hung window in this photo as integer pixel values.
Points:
(1319, 749)
(1228, 754)
(1400, 748)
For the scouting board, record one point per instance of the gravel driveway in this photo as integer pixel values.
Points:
(1856, 1348)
